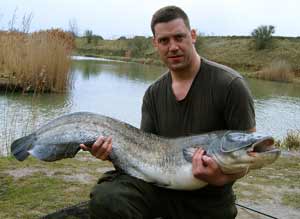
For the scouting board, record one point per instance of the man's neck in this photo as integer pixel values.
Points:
(187, 73)
(182, 81)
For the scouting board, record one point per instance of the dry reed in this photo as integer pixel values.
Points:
(292, 140)
(279, 70)
(36, 62)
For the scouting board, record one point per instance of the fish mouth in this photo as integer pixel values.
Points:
(265, 145)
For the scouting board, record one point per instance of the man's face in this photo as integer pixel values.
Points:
(174, 43)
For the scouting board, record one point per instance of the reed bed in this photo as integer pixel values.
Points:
(35, 62)
(278, 70)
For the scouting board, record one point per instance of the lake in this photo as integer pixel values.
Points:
(116, 89)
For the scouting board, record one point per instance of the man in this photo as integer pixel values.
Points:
(193, 97)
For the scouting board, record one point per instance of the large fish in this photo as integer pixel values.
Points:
(163, 161)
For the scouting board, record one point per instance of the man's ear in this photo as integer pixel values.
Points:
(154, 42)
(194, 35)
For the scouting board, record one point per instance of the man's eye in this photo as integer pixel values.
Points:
(163, 40)
(179, 38)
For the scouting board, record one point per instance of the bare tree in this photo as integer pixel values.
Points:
(12, 21)
(26, 22)
(1, 27)
(73, 27)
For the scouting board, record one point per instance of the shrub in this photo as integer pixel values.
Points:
(199, 45)
(263, 36)
(89, 35)
(138, 46)
(122, 38)
(73, 27)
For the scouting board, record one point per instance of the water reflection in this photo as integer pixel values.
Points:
(115, 89)
(20, 114)
(267, 89)
(131, 71)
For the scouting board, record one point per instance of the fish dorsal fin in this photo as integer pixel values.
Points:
(234, 141)
(189, 152)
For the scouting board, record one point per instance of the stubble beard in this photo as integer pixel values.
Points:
(177, 66)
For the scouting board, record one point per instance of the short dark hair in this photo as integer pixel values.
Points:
(167, 14)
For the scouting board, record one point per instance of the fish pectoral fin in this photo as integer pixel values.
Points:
(159, 184)
(188, 153)
(39, 151)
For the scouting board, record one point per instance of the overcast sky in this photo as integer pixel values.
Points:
(115, 18)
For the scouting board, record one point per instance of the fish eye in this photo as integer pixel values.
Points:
(237, 136)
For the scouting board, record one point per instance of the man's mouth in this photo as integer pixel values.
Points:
(175, 57)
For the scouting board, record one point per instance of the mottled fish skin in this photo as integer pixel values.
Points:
(162, 161)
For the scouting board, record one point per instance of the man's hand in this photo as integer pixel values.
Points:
(207, 169)
(100, 149)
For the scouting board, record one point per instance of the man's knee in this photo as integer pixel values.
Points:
(117, 200)
(103, 201)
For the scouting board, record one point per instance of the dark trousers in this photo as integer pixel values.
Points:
(118, 195)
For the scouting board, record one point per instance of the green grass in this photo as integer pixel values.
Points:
(292, 199)
(47, 188)
(239, 52)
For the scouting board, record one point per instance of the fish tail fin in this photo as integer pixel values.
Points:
(19, 148)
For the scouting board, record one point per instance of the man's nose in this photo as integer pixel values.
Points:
(173, 45)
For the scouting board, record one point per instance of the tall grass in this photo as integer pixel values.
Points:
(36, 62)
(279, 70)
(291, 141)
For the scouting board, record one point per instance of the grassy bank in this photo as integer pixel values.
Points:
(39, 61)
(237, 52)
(33, 188)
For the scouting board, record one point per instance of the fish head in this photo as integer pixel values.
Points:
(240, 151)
